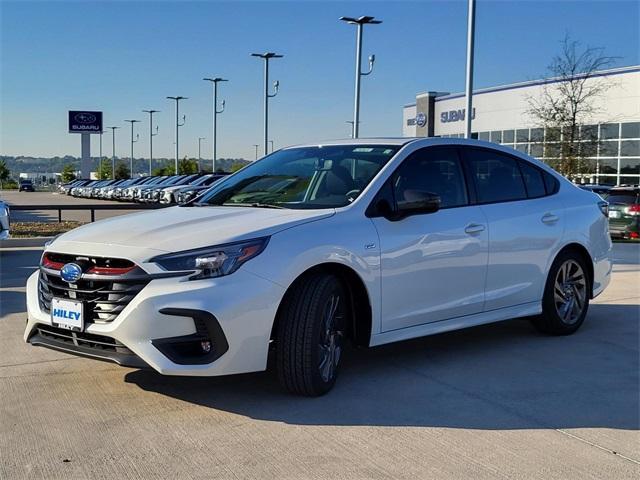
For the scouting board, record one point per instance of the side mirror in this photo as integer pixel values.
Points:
(416, 202)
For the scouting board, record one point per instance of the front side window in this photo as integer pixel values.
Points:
(432, 170)
(303, 178)
(496, 176)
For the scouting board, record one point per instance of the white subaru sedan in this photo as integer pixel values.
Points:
(365, 241)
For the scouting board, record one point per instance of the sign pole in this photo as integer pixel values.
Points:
(86, 124)
(85, 162)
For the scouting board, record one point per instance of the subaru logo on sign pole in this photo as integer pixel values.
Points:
(85, 123)
(71, 272)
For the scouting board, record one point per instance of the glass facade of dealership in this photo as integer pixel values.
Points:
(610, 148)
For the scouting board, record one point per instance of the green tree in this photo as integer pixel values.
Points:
(122, 171)
(187, 166)
(235, 166)
(166, 170)
(4, 172)
(104, 169)
(68, 173)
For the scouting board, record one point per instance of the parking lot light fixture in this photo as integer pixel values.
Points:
(216, 112)
(178, 125)
(360, 22)
(113, 152)
(256, 147)
(151, 135)
(132, 142)
(276, 86)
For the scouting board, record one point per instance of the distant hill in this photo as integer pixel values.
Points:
(140, 165)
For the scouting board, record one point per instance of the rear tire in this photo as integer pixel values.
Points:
(566, 296)
(311, 335)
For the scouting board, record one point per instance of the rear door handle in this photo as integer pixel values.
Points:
(474, 228)
(549, 218)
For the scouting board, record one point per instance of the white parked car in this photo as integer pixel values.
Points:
(368, 241)
(4, 220)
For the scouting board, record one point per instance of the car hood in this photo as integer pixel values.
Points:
(179, 228)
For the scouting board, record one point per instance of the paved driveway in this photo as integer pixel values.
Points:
(498, 401)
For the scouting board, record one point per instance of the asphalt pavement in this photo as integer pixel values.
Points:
(13, 197)
(497, 401)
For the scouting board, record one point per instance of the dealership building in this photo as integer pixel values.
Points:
(500, 115)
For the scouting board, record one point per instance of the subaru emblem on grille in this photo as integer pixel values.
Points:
(71, 272)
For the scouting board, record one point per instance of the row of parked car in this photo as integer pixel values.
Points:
(165, 189)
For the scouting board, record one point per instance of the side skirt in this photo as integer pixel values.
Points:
(501, 314)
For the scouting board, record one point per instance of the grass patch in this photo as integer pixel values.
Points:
(41, 229)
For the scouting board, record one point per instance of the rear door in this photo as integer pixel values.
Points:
(526, 224)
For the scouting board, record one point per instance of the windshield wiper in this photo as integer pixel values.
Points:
(254, 204)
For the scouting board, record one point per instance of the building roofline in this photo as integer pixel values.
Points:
(543, 81)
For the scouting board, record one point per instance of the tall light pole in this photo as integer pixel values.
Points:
(216, 112)
(178, 125)
(360, 23)
(151, 135)
(113, 152)
(200, 153)
(256, 145)
(276, 85)
(350, 122)
(132, 142)
(471, 26)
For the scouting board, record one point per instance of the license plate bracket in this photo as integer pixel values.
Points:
(67, 314)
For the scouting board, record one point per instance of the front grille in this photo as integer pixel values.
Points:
(103, 298)
(78, 339)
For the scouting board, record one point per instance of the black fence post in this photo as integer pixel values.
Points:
(93, 215)
(59, 215)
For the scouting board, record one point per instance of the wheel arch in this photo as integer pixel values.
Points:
(359, 301)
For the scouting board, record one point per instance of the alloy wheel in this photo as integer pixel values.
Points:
(570, 292)
(331, 338)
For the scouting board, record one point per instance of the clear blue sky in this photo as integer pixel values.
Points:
(121, 57)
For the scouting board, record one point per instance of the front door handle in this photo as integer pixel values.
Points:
(474, 228)
(549, 218)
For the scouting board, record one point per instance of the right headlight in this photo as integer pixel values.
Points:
(214, 261)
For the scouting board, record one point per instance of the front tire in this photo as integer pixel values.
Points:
(566, 296)
(311, 334)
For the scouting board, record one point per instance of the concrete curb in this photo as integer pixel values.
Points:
(24, 242)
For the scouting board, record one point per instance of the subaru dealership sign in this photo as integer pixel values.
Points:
(85, 122)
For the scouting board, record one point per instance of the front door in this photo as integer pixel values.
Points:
(434, 265)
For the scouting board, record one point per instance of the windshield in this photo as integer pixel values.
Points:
(303, 177)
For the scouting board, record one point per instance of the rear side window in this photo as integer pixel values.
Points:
(533, 180)
(496, 176)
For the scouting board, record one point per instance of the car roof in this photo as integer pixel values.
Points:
(401, 141)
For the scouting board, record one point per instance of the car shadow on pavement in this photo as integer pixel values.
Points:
(501, 376)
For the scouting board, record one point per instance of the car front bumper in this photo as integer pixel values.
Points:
(237, 311)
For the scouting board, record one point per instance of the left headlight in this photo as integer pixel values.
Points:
(215, 261)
